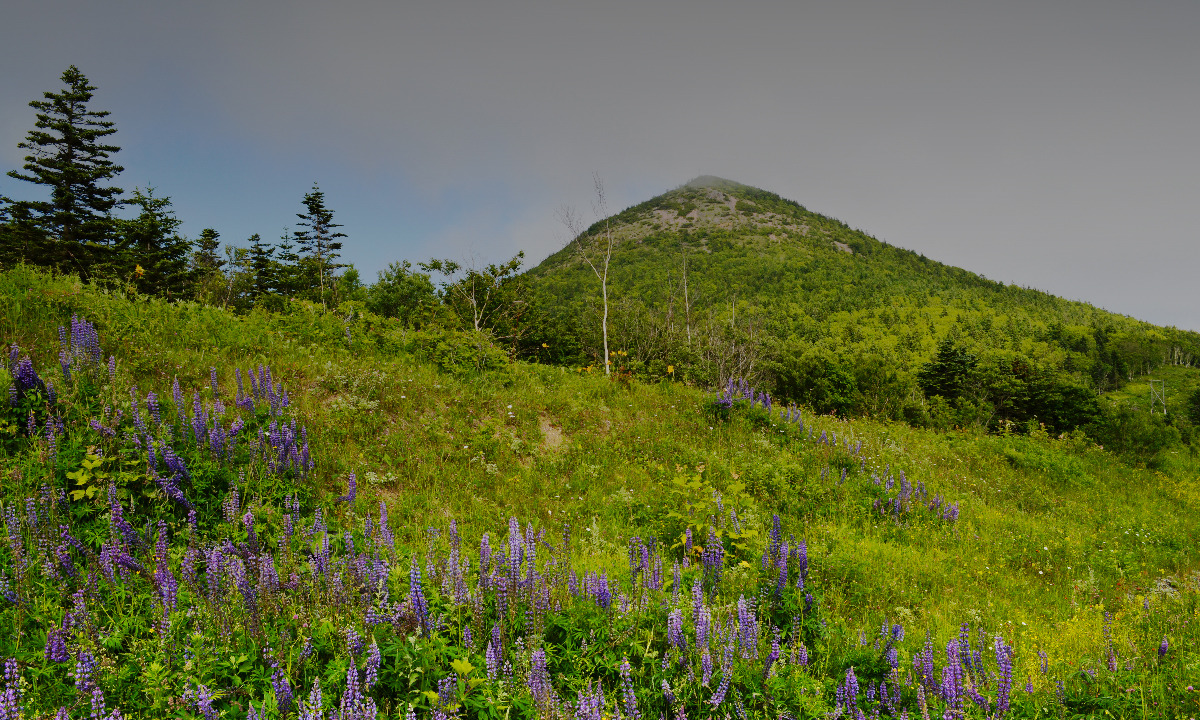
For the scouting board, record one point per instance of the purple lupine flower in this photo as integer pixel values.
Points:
(51, 442)
(675, 630)
(703, 624)
(801, 563)
(164, 580)
(85, 672)
(714, 560)
(351, 490)
(848, 693)
(56, 646)
(1112, 656)
(417, 597)
(213, 561)
(485, 556)
(444, 707)
(1163, 648)
(782, 565)
(635, 559)
(1004, 670)
(313, 708)
(718, 695)
(135, 410)
(516, 548)
(627, 695)
(656, 573)
(802, 655)
(747, 628)
(771, 659)
(371, 668)
(351, 705)
(10, 700)
(923, 663)
(706, 668)
(283, 690)
(187, 569)
(354, 642)
(539, 677)
(603, 593)
(494, 654)
(952, 676)
(212, 381)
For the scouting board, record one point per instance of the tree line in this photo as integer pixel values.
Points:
(75, 227)
(884, 332)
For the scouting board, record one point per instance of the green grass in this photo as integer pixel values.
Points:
(1051, 532)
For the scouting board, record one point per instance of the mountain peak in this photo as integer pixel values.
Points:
(707, 182)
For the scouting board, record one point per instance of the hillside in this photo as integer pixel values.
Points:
(279, 514)
(719, 280)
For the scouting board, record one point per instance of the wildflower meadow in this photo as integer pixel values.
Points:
(333, 525)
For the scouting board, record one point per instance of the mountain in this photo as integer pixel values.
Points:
(717, 279)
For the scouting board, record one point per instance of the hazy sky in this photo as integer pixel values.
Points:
(1050, 144)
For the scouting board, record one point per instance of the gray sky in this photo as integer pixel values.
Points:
(1051, 144)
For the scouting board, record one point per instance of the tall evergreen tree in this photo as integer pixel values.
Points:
(209, 282)
(286, 268)
(151, 252)
(207, 258)
(68, 155)
(262, 267)
(318, 241)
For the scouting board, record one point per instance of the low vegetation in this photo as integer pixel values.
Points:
(317, 514)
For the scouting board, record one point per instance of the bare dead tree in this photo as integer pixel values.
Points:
(687, 304)
(601, 243)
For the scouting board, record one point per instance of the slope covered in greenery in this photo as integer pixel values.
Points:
(159, 561)
(717, 279)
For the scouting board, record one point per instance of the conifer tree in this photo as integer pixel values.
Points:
(68, 155)
(286, 268)
(207, 259)
(21, 240)
(318, 241)
(151, 252)
(262, 267)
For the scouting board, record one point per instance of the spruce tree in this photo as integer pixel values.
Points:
(262, 267)
(68, 155)
(21, 240)
(207, 259)
(151, 253)
(286, 269)
(317, 238)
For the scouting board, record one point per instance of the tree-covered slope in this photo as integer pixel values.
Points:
(718, 280)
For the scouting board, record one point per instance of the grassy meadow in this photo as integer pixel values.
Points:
(157, 563)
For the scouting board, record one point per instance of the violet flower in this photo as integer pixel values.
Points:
(628, 697)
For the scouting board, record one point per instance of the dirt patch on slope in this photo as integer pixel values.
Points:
(552, 435)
